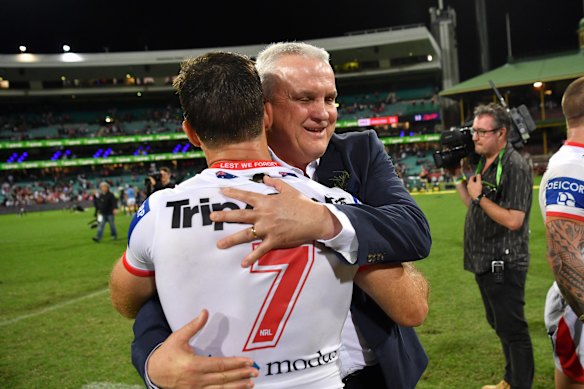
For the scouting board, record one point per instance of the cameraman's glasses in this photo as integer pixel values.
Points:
(480, 132)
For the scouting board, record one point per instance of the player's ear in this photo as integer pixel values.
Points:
(268, 116)
(191, 133)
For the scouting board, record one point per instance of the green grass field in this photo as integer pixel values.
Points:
(59, 330)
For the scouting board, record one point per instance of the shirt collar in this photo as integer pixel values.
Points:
(310, 168)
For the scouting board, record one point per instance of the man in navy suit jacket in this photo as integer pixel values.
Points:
(389, 227)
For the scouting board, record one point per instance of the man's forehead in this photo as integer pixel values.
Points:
(484, 120)
(310, 84)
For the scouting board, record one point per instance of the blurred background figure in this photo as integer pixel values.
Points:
(105, 209)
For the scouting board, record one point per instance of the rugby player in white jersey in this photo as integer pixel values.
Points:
(286, 311)
(561, 199)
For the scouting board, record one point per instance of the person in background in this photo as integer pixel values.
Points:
(105, 208)
(299, 88)
(496, 238)
(159, 181)
(131, 199)
(222, 98)
(122, 200)
(561, 199)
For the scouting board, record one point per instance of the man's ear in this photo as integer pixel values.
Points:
(191, 133)
(268, 115)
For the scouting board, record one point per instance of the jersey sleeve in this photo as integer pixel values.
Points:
(138, 256)
(564, 194)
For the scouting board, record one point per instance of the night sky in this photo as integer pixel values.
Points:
(547, 27)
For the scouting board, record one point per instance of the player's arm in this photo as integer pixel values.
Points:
(565, 245)
(130, 291)
(399, 289)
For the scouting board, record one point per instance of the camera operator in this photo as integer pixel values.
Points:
(496, 237)
(162, 180)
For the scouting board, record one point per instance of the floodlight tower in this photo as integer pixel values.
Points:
(443, 27)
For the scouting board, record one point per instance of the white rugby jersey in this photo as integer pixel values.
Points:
(561, 192)
(286, 312)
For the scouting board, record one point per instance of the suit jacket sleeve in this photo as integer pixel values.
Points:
(150, 329)
(390, 227)
(389, 224)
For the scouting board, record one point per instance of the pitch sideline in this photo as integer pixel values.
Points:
(52, 308)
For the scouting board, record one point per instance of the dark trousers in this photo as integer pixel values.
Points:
(504, 304)
(370, 377)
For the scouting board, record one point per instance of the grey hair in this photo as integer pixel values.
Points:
(267, 60)
(499, 114)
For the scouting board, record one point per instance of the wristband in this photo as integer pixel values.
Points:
(459, 180)
(477, 201)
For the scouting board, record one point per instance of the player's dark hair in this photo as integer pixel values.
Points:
(221, 96)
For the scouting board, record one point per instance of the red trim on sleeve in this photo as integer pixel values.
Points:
(134, 271)
(363, 268)
(567, 352)
(564, 215)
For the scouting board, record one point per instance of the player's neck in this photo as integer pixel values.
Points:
(576, 134)
(244, 151)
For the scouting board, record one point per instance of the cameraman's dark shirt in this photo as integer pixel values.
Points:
(484, 239)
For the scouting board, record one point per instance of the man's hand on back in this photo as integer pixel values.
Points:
(287, 219)
(174, 365)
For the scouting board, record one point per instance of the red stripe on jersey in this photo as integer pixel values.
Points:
(137, 272)
(566, 352)
(571, 143)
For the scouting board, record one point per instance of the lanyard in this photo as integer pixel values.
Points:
(499, 167)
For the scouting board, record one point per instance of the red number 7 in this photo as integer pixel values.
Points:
(291, 268)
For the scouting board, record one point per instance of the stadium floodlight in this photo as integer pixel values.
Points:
(66, 48)
(22, 48)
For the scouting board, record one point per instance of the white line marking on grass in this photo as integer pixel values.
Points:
(52, 308)
(110, 385)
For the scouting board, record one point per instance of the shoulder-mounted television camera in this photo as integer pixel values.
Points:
(148, 183)
(457, 143)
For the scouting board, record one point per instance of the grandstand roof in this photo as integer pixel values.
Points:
(378, 53)
(524, 72)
